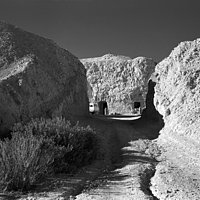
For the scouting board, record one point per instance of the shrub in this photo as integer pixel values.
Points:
(43, 146)
(78, 144)
(24, 159)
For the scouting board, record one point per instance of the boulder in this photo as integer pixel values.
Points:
(119, 80)
(177, 98)
(38, 79)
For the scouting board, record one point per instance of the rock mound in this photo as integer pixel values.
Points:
(38, 78)
(177, 98)
(119, 80)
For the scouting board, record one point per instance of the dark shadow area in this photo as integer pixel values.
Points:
(7, 197)
(5, 133)
(115, 177)
(150, 113)
(137, 107)
(151, 122)
(103, 108)
(131, 157)
(136, 104)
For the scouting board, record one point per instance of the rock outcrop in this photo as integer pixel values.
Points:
(177, 98)
(38, 78)
(119, 80)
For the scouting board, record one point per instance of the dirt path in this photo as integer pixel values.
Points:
(131, 175)
(125, 174)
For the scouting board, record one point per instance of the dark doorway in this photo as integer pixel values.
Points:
(103, 108)
(137, 107)
(137, 104)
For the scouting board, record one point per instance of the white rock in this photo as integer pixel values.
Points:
(119, 80)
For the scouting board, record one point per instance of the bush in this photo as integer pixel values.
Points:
(24, 160)
(42, 146)
(78, 144)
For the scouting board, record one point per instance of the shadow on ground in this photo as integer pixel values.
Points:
(133, 168)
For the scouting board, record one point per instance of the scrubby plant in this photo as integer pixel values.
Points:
(24, 159)
(43, 146)
(78, 144)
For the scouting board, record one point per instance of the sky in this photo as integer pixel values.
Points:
(91, 28)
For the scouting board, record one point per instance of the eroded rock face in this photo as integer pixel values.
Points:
(119, 80)
(177, 98)
(38, 78)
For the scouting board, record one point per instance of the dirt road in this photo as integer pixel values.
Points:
(131, 175)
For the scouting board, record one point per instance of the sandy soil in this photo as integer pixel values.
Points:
(172, 182)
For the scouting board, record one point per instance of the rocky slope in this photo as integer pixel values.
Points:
(38, 78)
(177, 98)
(119, 80)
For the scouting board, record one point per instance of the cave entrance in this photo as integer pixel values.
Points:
(103, 108)
(137, 107)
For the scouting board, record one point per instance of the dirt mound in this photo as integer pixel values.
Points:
(38, 78)
(177, 98)
(119, 80)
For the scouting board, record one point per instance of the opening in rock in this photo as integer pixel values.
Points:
(137, 107)
(103, 108)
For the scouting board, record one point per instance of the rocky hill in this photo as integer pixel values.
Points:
(119, 80)
(38, 78)
(177, 98)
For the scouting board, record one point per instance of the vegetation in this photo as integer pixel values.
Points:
(41, 147)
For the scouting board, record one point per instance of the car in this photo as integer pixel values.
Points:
(93, 108)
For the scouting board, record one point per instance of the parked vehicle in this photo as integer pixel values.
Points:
(93, 108)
